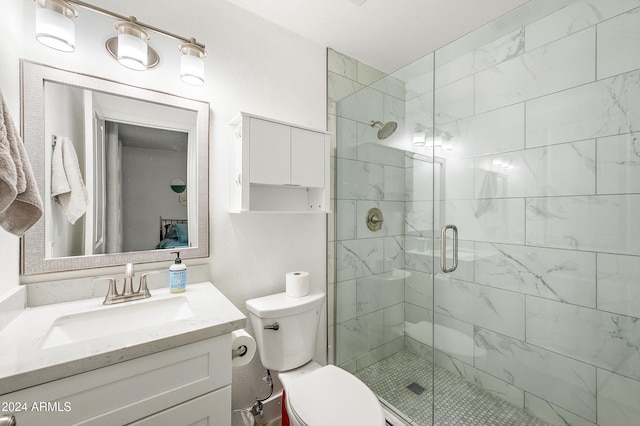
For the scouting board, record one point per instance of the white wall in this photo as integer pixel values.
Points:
(252, 66)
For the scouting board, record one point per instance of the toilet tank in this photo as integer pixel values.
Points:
(293, 344)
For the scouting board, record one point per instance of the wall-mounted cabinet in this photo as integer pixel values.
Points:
(278, 167)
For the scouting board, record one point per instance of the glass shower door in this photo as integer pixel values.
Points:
(538, 131)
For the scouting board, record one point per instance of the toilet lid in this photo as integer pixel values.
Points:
(331, 396)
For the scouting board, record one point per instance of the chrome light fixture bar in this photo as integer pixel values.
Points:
(129, 48)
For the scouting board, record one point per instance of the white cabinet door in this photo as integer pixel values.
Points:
(307, 158)
(270, 153)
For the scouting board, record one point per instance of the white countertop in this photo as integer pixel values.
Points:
(25, 361)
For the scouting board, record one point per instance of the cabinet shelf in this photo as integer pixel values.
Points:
(278, 167)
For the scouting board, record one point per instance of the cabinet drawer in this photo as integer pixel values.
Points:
(211, 409)
(122, 393)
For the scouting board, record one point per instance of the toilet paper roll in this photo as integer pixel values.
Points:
(297, 284)
(243, 348)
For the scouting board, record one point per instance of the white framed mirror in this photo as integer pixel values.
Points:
(122, 144)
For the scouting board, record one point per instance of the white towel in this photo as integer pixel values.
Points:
(20, 202)
(487, 193)
(67, 186)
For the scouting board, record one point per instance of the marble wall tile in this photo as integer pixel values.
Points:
(338, 88)
(371, 149)
(456, 69)
(418, 180)
(572, 18)
(562, 275)
(489, 220)
(551, 413)
(503, 49)
(368, 75)
(359, 258)
(394, 249)
(346, 133)
(459, 179)
(605, 108)
(566, 169)
(394, 183)
(393, 111)
(619, 164)
(465, 64)
(492, 132)
(607, 340)
(419, 85)
(414, 314)
(618, 398)
(346, 219)
(417, 76)
(342, 65)
(394, 323)
(486, 382)
(618, 288)
(346, 307)
(453, 338)
(378, 292)
(563, 381)
(418, 255)
(418, 348)
(419, 113)
(363, 105)
(566, 63)
(359, 336)
(454, 101)
(419, 218)
(491, 308)
(612, 224)
(359, 180)
(390, 85)
(379, 353)
(618, 40)
(393, 213)
(418, 289)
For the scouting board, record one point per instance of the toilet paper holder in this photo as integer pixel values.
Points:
(239, 351)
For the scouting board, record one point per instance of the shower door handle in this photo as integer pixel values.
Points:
(443, 248)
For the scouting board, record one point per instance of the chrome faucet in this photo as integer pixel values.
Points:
(128, 294)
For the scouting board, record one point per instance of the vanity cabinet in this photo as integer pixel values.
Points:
(180, 386)
(278, 167)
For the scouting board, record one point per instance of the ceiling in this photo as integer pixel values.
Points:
(385, 34)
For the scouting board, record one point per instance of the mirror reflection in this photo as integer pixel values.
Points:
(118, 166)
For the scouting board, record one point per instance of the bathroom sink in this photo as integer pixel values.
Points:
(112, 320)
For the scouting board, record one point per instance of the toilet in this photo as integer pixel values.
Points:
(286, 330)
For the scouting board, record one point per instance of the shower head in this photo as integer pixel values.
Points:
(386, 129)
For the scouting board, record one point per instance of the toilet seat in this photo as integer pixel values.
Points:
(332, 396)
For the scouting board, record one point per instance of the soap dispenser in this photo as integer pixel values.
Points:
(177, 275)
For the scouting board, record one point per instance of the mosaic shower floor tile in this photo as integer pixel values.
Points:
(458, 402)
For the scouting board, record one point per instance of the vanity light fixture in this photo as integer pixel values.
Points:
(419, 138)
(192, 63)
(130, 48)
(54, 24)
